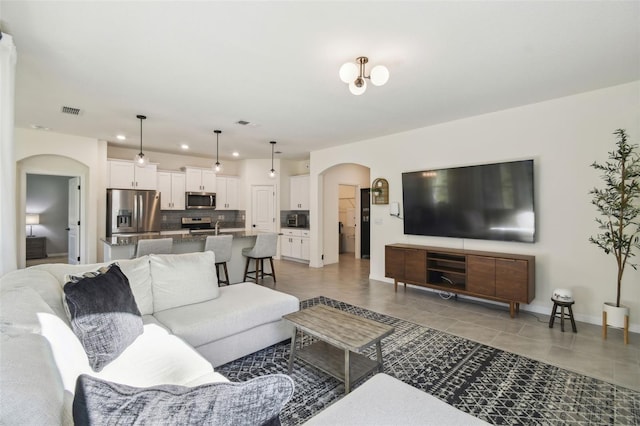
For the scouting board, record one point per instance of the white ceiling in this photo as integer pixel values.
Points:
(192, 67)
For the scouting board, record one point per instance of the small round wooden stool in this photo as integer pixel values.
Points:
(554, 314)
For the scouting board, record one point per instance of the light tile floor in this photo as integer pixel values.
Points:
(527, 334)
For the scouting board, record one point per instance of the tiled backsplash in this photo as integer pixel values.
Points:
(227, 218)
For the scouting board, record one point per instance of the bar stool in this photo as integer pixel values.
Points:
(220, 245)
(265, 248)
(157, 246)
(563, 299)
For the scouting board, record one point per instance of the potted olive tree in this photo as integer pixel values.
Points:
(618, 206)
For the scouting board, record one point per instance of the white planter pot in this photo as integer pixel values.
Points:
(615, 315)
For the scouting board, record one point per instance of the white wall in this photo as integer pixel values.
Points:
(563, 136)
(343, 174)
(52, 153)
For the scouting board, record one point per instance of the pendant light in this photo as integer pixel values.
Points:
(217, 132)
(140, 159)
(272, 172)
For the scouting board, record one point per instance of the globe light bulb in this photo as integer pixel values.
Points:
(379, 75)
(354, 89)
(140, 160)
(348, 72)
(217, 168)
(272, 173)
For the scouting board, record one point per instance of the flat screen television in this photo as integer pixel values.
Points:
(487, 202)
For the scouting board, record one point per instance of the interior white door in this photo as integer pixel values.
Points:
(263, 208)
(73, 226)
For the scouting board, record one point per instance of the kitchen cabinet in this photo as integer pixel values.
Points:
(227, 193)
(299, 192)
(172, 190)
(126, 175)
(200, 180)
(294, 244)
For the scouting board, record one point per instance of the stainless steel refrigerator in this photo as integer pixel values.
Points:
(132, 212)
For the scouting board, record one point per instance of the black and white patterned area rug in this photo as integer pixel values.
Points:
(496, 386)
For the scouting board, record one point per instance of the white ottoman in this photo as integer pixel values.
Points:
(384, 400)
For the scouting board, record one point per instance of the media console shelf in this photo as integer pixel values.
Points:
(502, 277)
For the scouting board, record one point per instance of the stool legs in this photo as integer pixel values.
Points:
(553, 315)
(259, 269)
(226, 273)
(573, 321)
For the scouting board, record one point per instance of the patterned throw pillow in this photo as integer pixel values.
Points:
(103, 314)
(251, 403)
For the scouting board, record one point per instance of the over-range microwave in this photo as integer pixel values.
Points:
(200, 200)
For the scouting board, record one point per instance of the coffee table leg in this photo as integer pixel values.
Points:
(347, 372)
(293, 349)
(379, 355)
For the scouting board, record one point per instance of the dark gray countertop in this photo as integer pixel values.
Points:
(177, 238)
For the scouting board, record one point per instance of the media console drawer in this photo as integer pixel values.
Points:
(502, 277)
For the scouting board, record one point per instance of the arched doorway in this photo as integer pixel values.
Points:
(52, 165)
(352, 175)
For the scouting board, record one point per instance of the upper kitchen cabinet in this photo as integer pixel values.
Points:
(227, 193)
(172, 188)
(200, 180)
(126, 175)
(299, 186)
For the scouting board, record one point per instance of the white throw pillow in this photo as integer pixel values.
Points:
(183, 279)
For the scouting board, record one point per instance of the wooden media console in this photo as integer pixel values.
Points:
(502, 277)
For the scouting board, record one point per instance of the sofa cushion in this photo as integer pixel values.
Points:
(255, 402)
(103, 315)
(137, 271)
(42, 281)
(156, 358)
(240, 307)
(183, 279)
(19, 308)
(31, 392)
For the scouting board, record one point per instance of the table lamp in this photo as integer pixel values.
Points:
(32, 219)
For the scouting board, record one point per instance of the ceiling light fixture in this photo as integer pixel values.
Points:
(235, 153)
(217, 132)
(121, 137)
(272, 172)
(140, 159)
(184, 146)
(354, 75)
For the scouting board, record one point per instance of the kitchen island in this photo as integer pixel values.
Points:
(124, 247)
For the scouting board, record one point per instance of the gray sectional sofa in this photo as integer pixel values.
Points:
(190, 326)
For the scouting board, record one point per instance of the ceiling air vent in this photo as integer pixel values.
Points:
(70, 110)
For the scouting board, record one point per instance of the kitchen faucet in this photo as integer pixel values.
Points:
(217, 226)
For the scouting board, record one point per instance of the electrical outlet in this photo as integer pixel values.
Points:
(220, 217)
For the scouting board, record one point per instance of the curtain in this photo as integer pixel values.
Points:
(8, 234)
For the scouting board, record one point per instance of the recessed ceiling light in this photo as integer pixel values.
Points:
(121, 137)
(235, 153)
(184, 146)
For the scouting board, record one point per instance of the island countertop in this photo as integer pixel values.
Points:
(117, 241)
(121, 247)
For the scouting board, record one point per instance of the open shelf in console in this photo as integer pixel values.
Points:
(446, 269)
